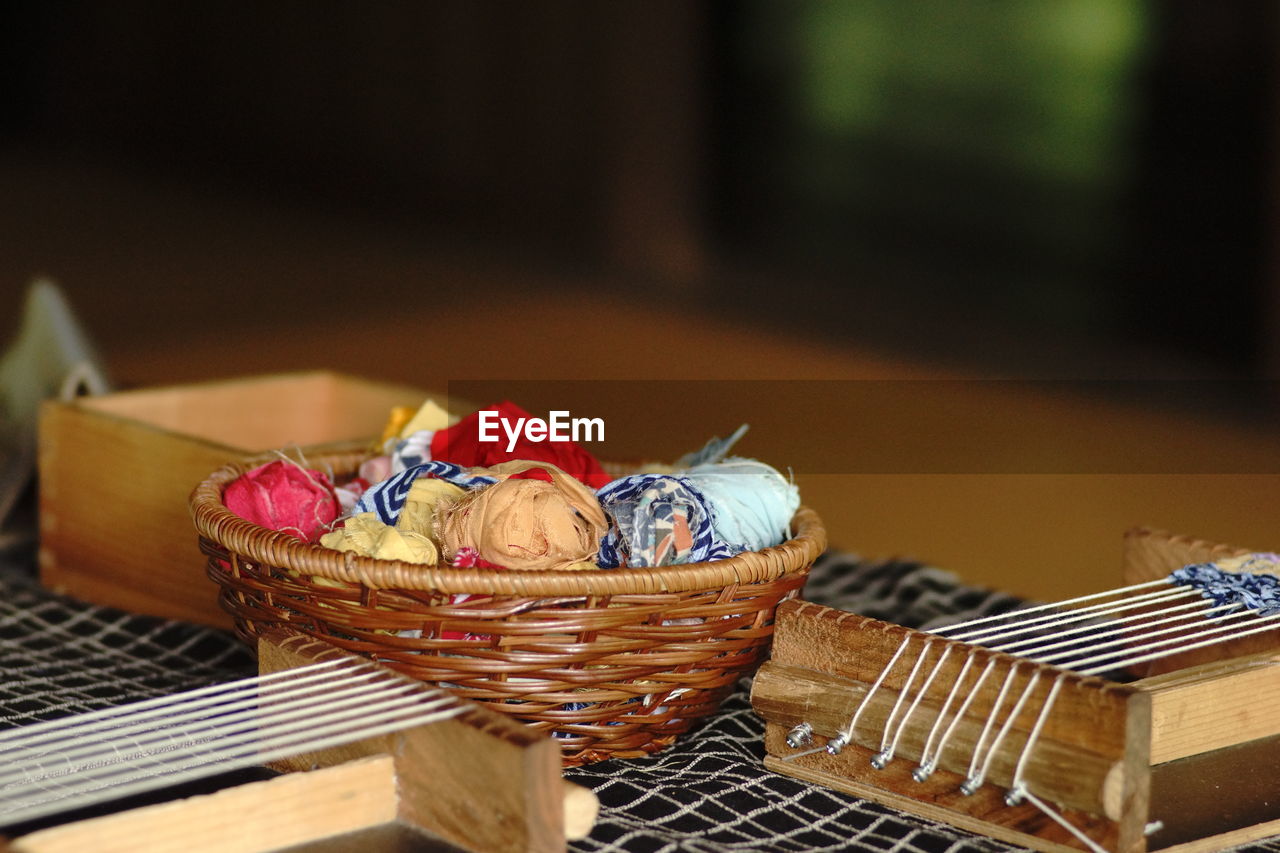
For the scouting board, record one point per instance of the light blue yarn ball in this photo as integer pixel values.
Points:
(752, 504)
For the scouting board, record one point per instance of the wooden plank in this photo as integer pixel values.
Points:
(479, 780)
(1135, 797)
(292, 809)
(260, 413)
(1028, 827)
(1213, 705)
(1217, 843)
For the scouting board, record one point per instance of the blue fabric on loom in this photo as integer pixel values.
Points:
(387, 498)
(1249, 590)
(644, 509)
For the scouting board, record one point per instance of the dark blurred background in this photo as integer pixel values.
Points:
(1077, 188)
(427, 192)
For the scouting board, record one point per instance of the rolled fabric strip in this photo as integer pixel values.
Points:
(284, 496)
(388, 497)
(524, 524)
(1250, 591)
(419, 512)
(658, 520)
(348, 493)
(752, 503)
(366, 535)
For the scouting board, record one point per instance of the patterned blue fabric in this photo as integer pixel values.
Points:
(387, 498)
(1249, 590)
(658, 520)
(410, 452)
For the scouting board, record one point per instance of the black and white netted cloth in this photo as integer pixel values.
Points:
(709, 793)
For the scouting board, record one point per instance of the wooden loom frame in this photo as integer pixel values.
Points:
(1169, 762)
(479, 780)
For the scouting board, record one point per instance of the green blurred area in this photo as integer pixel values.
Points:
(995, 139)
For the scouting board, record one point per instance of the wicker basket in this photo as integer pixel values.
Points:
(614, 663)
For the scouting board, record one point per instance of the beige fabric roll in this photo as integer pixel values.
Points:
(525, 524)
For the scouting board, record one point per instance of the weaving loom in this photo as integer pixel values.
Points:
(383, 750)
(1142, 718)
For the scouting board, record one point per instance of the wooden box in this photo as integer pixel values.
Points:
(116, 472)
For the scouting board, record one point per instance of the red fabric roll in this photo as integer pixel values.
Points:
(283, 496)
(461, 445)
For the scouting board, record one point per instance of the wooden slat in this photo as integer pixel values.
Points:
(1151, 554)
(293, 809)
(1213, 705)
(1024, 826)
(114, 523)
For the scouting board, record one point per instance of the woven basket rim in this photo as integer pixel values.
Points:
(216, 523)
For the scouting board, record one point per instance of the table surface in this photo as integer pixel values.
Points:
(708, 793)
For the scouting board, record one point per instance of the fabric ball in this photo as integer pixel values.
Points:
(284, 496)
(524, 524)
(752, 504)
(658, 520)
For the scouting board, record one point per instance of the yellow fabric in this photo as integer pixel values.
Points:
(366, 535)
(429, 416)
(418, 515)
(399, 416)
(525, 524)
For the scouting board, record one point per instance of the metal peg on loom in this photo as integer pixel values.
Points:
(800, 736)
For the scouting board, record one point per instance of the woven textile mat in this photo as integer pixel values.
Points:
(707, 794)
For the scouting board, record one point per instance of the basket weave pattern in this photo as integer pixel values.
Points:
(614, 663)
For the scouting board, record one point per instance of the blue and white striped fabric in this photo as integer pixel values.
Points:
(387, 498)
(410, 452)
(658, 520)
